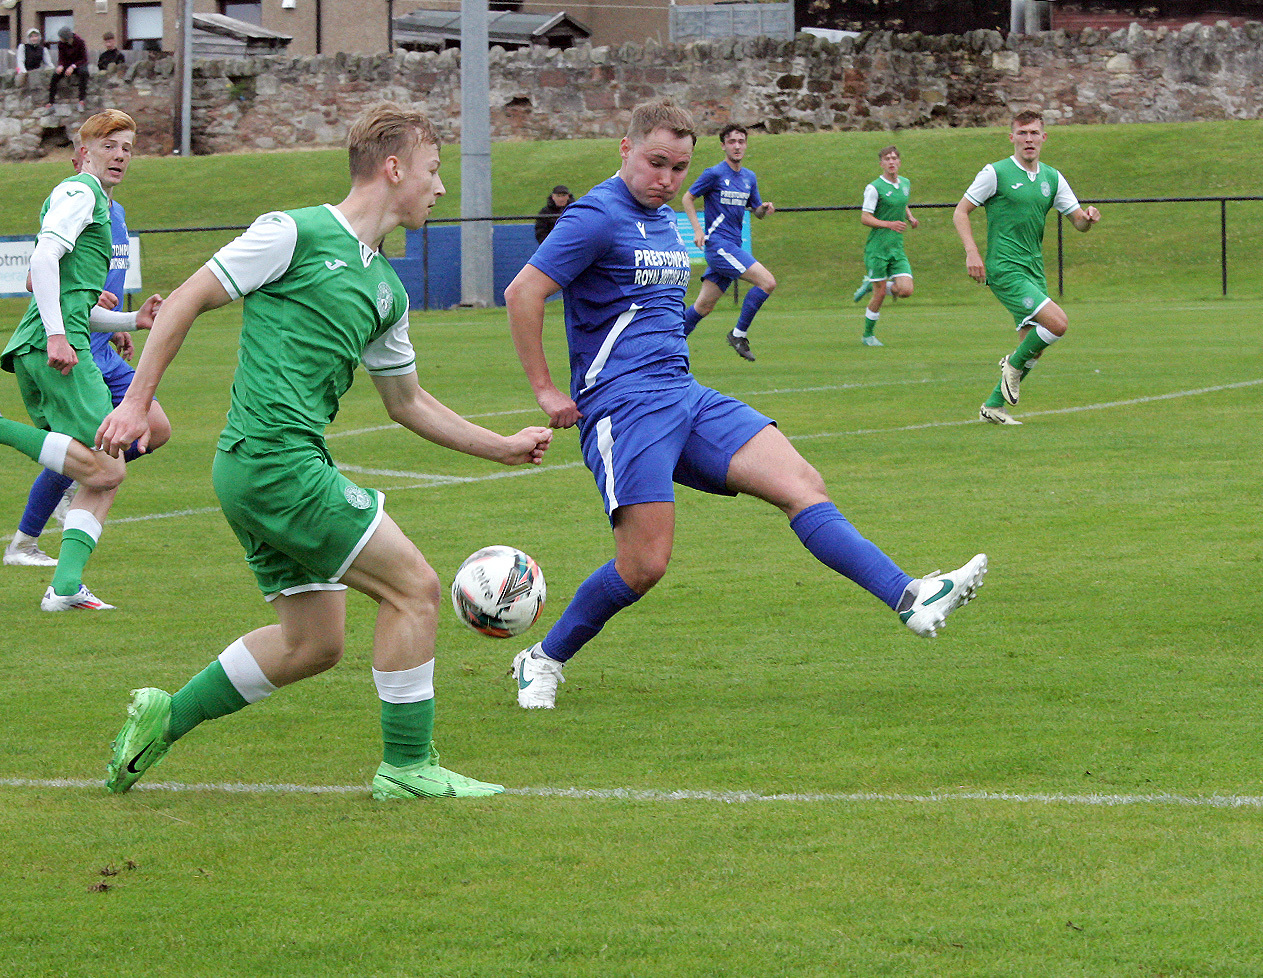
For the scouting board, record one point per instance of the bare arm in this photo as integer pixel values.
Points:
(130, 420)
(912, 221)
(690, 210)
(525, 299)
(425, 415)
(870, 221)
(974, 264)
(1083, 219)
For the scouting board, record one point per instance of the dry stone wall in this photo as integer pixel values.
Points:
(878, 81)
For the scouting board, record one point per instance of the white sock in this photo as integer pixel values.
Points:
(52, 455)
(244, 673)
(81, 519)
(413, 685)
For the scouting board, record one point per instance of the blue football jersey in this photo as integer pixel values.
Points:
(623, 269)
(116, 277)
(728, 193)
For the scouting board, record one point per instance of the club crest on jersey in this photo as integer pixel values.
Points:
(1045, 189)
(385, 299)
(357, 497)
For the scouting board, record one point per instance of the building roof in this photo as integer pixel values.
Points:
(439, 28)
(253, 35)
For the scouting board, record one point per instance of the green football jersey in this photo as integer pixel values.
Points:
(77, 213)
(318, 301)
(891, 205)
(1016, 215)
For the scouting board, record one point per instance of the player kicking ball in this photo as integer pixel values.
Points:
(320, 298)
(645, 423)
(1018, 193)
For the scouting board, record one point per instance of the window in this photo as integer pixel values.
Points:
(6, 39)
(142, 27)
(54, 20)
(250, 13)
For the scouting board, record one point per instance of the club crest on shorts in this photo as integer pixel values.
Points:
(385, 299)
(357, 497)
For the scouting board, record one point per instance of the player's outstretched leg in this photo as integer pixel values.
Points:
(941, 594)
(537, 677)
(143, 741)
(425, 779)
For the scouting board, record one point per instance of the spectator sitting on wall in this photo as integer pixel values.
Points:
(72, 62)
(33, 55)
(111, 55)
(557, 201)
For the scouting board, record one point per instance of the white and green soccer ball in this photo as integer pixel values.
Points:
(499, 591)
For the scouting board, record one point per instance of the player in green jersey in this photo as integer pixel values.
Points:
(50, 351)
(886, 214)
(320, 298)
(1018, 193)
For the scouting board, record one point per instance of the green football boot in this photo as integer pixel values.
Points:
(142, 742)
(425, 779)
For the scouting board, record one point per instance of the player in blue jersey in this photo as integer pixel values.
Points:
(730, 189)
(645, 423)
(49, 487)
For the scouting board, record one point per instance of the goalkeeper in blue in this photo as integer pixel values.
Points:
(645, 423)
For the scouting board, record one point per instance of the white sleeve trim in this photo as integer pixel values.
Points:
(870, 199)
(260, 255)
(391, 354)
(984, 186)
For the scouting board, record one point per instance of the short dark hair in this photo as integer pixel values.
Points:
(887, 150)
(107, 36)
(1027, 117)
(729, 129)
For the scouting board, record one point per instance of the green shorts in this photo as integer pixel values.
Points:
(300, 520)
(1020, 292)
(886, 264)
(74, 404)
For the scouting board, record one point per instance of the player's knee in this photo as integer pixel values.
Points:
(642, 572)
(107, 473)
(769, 284)
(903, 289)
(704, 306)
(317, 653)
(159, 432)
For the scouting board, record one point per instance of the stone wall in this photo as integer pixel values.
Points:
(879, 81)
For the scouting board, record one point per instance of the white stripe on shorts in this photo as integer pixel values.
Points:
(605, 445)
(731, 260)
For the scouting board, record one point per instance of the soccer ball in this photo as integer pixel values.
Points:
(499, 591)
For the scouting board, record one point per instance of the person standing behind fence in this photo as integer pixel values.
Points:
(72, 62)
(33, 54)
(111, 55)
(886, 214)
(1018, 193)
(557, 201)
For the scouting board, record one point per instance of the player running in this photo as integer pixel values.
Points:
(886, 213)
(730, 189)
(65, 394)
(320, 298)
(644, 420)
(110, 352)
(1018, 193)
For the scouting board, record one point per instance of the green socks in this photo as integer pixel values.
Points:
(206, 696)
(76, 548)
(407, 731)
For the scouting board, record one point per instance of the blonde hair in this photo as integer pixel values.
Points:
(661, 113)
(104, 124)
(384, 130)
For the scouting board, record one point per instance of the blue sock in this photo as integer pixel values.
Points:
(597, 600)
(834, 542)
(755, 297)
(691, 318)
(46, 493)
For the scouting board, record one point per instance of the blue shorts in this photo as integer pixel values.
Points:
(725, 264)
(118, 373)
(638, 445)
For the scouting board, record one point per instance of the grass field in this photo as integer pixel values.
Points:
(757, 770)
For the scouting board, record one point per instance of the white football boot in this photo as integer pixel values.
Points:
(941, 594)
(537, 678)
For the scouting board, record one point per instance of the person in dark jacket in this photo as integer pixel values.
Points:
(72, 62)
(557, 201)
(111, 55)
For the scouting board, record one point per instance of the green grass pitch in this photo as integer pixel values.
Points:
(757, 770)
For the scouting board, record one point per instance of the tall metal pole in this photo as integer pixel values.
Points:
(186, 79)
(476, 273)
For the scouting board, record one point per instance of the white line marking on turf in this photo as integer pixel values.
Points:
(721, 797)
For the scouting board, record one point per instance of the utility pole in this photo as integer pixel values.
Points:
(476, 274)
(184, 98)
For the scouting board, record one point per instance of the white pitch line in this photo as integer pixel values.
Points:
(720, 797)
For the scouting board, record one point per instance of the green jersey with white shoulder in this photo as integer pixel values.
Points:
(886, 201)
(318, 302)
(77, 215)
(1017, 202)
